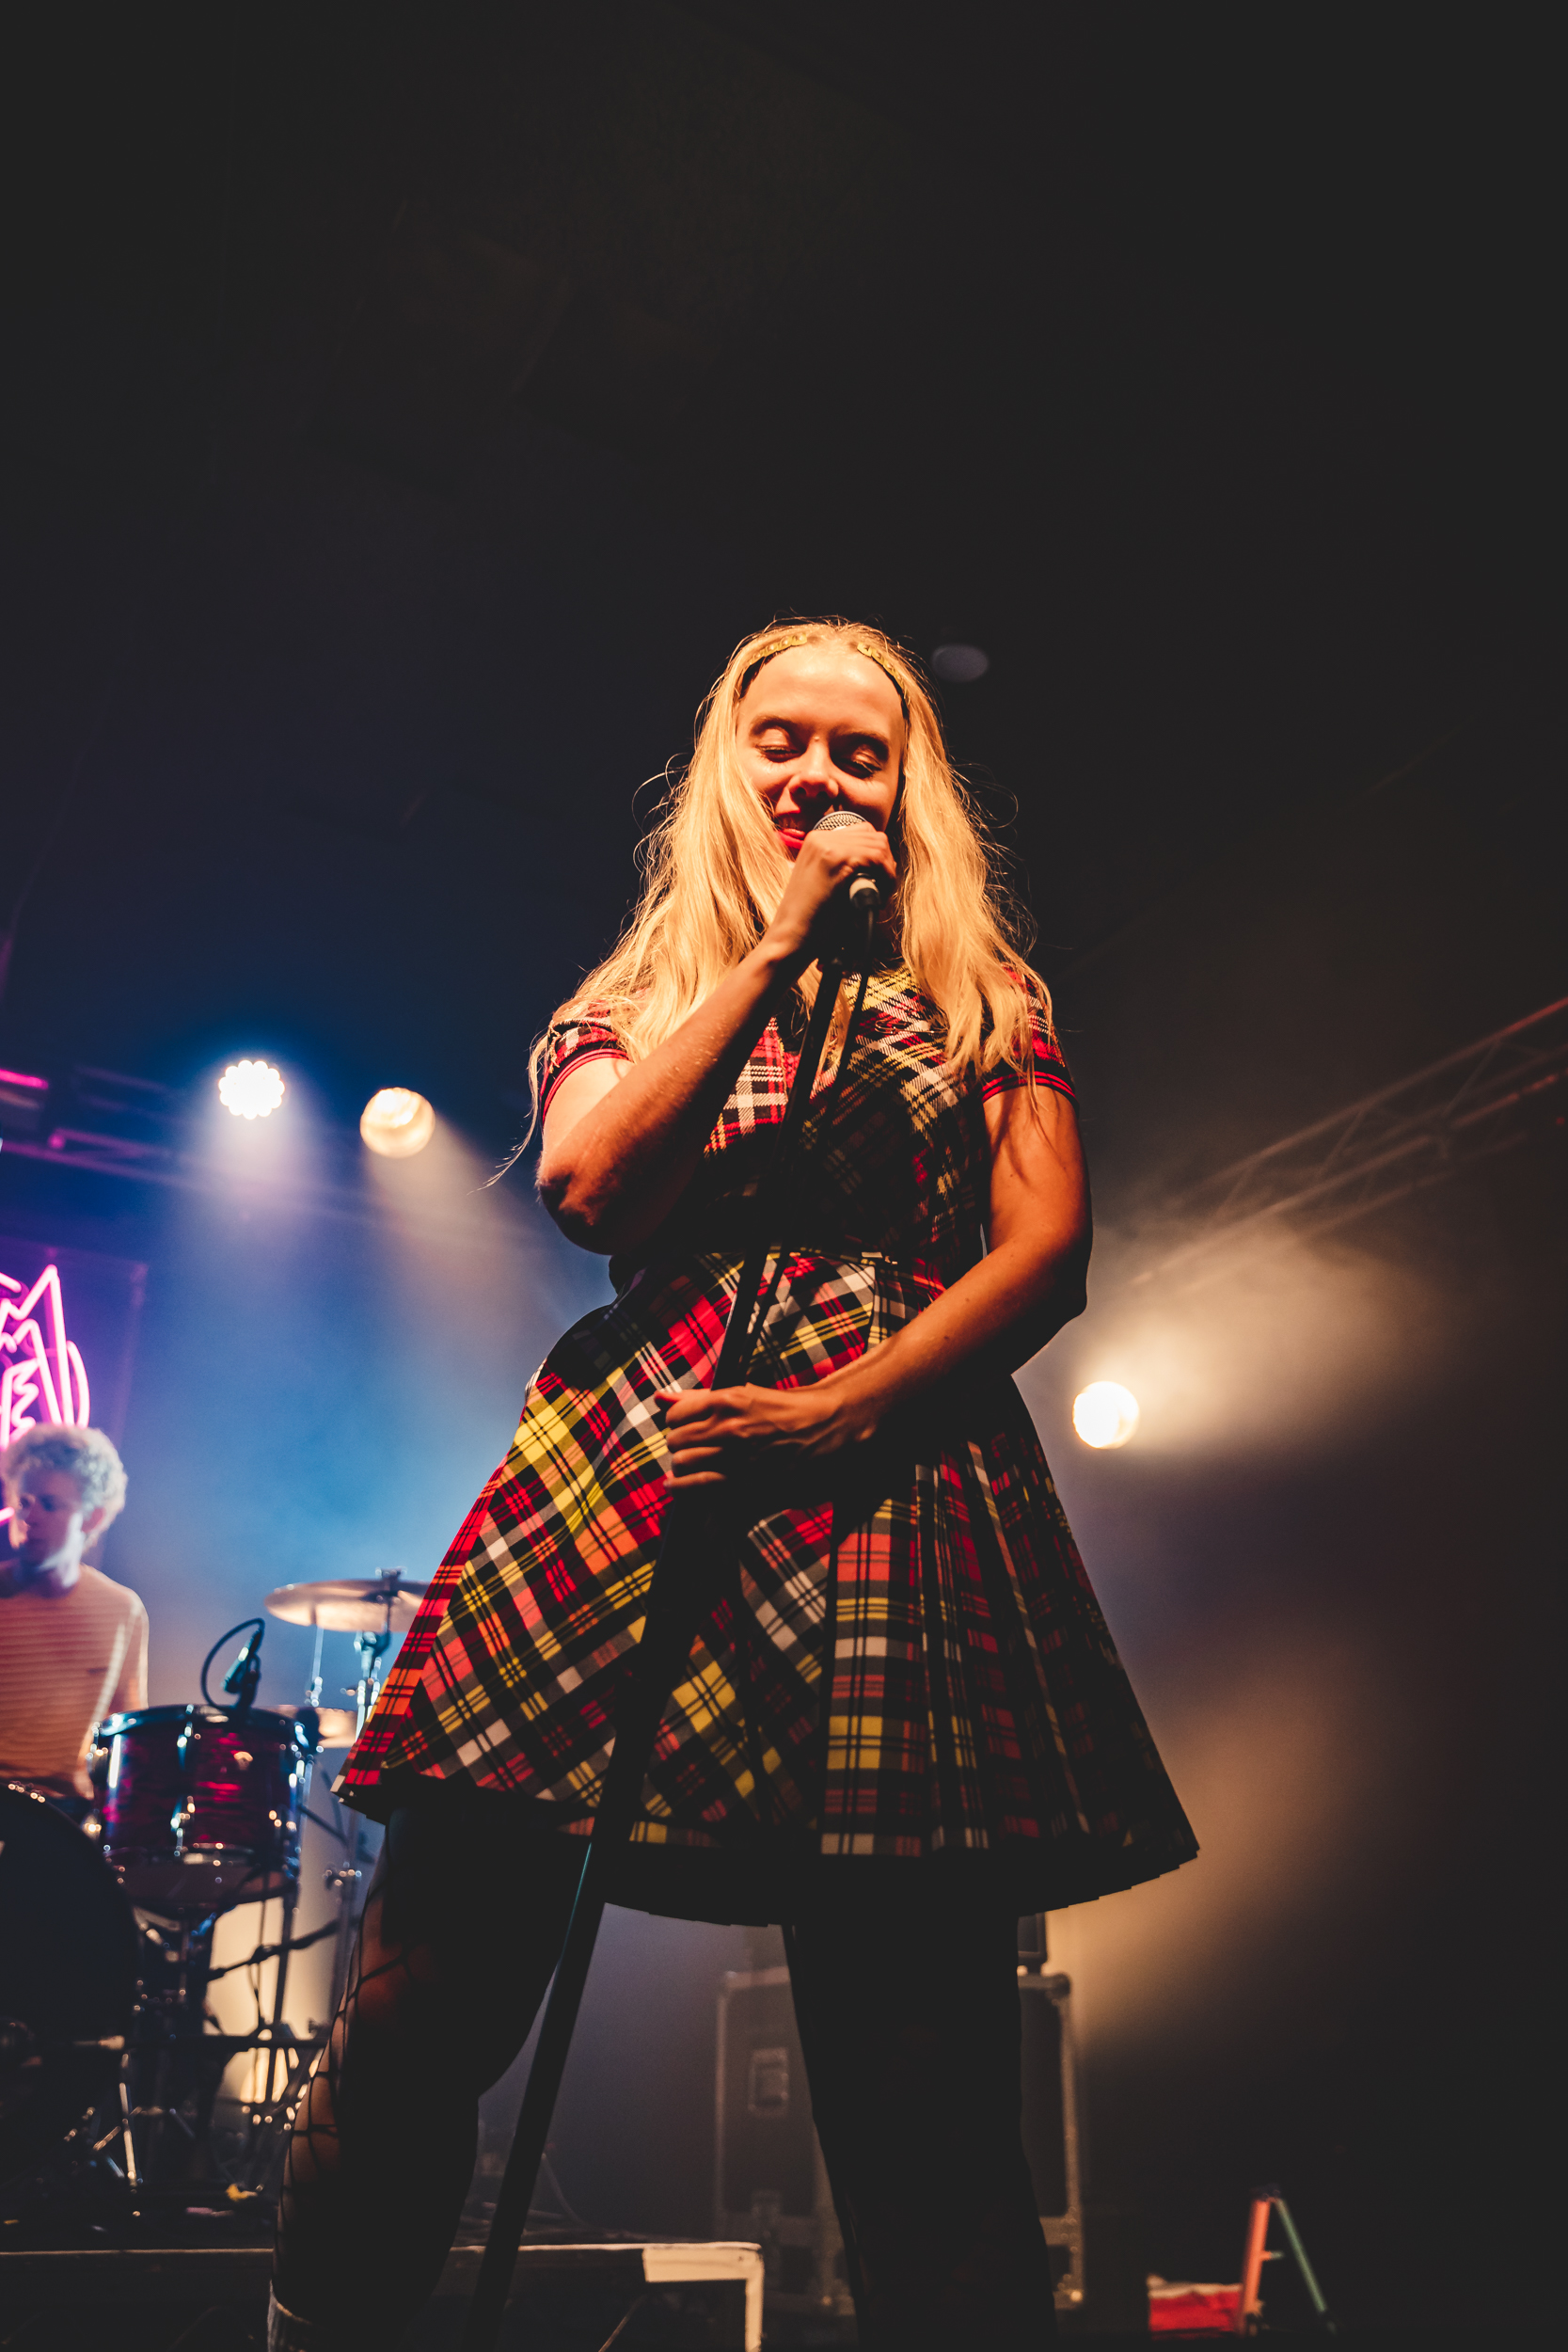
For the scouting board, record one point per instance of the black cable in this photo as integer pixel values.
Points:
(244, 1627)
(271, 1951)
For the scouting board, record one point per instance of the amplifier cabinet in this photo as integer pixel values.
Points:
(770, 2180)
(770, 2184)
(1051, 2134)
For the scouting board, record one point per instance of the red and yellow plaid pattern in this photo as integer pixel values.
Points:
(911, 1663)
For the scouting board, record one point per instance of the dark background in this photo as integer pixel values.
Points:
(406, 410)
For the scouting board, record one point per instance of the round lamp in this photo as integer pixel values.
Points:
(250, 1090)
(1105, 1413)
(397, 1123)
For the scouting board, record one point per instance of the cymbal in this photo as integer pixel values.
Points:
(348, 1604)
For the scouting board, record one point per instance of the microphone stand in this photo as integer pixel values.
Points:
(686, 1574)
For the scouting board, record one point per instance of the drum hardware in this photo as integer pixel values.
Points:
(107, 2058)
(349, 1604)
(21, 2046)
(339, 1725)
(201, 1807)
(373, 1609)
(174, 2066)
(372, 1647)
(342, 1881)
(244, 1677)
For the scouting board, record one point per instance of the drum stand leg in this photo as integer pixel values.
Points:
(274, 2031)
(127, 2135)
(175, 2017)
(344, 1880)
(277, 2040)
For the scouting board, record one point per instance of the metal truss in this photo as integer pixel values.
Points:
(111, 1124)
(1489, 1097)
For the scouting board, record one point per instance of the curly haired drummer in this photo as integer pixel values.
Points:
(73, 1642)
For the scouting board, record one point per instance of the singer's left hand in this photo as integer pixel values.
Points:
(715, 1435)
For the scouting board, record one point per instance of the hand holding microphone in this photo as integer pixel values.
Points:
(840, 883)
(868, 891)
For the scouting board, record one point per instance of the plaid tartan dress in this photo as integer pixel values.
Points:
(910, 1664)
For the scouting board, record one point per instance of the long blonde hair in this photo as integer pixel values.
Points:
(713, 873)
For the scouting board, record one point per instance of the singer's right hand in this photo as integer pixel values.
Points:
(807, 921)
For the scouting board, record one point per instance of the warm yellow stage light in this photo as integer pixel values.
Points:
(397, 1123)
(250, 1090)
(1105, 1413)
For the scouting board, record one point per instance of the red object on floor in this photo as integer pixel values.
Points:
(1192, 2310)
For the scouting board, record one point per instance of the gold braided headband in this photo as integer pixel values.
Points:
(785, 644)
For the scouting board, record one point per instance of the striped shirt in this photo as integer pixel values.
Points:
(66, 1661)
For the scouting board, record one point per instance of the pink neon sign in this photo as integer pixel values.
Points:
(43, 1376)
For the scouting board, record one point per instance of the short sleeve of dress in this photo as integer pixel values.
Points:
(1050, 1069)
(569, 1045)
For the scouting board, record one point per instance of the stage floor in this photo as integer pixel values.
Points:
(677, 2295)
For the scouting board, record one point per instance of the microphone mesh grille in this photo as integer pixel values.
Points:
(837, 818)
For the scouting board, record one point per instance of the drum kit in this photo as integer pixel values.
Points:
(108, 2052)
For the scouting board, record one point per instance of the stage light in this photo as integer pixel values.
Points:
(397, 1123)
(250, 1090)
(1105, 1413)
(959, 665)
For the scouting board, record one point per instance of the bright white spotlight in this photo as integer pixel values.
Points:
(1105, 1413)
(250, 1090)
(397, 1123)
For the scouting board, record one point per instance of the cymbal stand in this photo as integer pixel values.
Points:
(687, 1575)
(344, 1879)
(373, 1648)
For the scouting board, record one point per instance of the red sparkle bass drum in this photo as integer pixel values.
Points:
(201, 1807)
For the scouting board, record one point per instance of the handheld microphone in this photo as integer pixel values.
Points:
(867, 891)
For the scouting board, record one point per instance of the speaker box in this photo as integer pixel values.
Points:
(1051, 2136)
(770, 2184)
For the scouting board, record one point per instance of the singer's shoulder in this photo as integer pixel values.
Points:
(597, 1013)
(582, 1028)
(573, 1038)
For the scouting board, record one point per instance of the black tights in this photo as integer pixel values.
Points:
(910, 2026)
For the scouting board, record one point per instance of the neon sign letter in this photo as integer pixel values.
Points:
(43, 1376)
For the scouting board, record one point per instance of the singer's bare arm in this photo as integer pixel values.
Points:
(995, 1317)
(623, 1140)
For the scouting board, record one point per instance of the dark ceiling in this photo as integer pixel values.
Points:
(408, 407)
